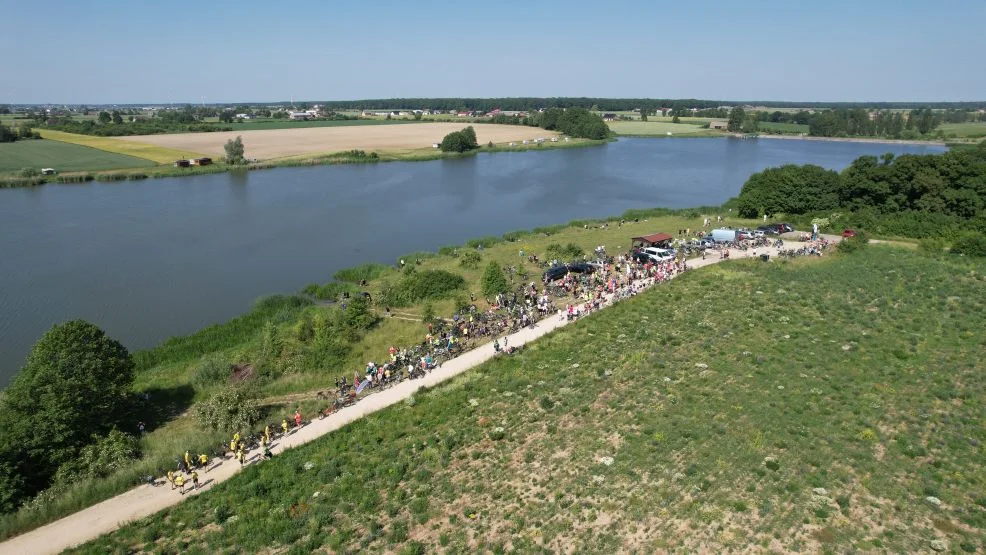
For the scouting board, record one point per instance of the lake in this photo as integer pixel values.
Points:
(146, 260)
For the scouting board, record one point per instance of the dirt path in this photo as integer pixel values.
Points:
(146, 500)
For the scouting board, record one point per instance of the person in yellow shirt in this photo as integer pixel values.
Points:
(180, 482)
(284, 426)
(171, 479)
(240, 456)
(267, 433)
(195, 480)
(188, 460)
(204, 461)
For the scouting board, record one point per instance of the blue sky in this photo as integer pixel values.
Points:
(106, 51)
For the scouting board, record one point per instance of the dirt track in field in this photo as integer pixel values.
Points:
(280, 143)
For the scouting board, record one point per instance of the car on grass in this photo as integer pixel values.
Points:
(847, 233)
(555, 272)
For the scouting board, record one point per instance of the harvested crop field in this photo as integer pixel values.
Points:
(280, 143)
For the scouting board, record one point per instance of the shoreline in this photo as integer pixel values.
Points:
(913, 142)
(315, 159)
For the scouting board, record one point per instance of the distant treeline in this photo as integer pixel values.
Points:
(614, 104)
(933, 195)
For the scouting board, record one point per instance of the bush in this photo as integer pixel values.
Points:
(108, 454)
(494, 281)
(213, 369)
(422, 285)
(854, 244)
(970, 244)
(470, 260)
(568, 252)
(229, 410)
(483, 242)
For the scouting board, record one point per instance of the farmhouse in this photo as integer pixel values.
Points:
(717, 125)
(609, 117)
(299, 115)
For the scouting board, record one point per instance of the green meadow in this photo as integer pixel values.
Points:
(828, 404)
(37, 154)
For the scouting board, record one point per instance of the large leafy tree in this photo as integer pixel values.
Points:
(73, 387)
(494, 281)
(736, 118)
(234, 150)
(789, 189)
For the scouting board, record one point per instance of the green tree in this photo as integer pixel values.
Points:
(271, 344)
(643, 114)
(455, 141)
(229, 410)
(675, 118)
(234, 151)
(74, 385)
(789, 189)
(105, 117)
(469, 134)
(736, 117)
(494, 281)
(117, 118)
(226, 116)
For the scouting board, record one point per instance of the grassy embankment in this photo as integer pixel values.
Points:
(782, 127)
(829, 404)
(171, 372)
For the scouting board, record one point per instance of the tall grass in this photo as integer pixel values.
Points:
(362, 272)
(222, 336)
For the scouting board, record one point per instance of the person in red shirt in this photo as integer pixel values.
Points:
(297, 418)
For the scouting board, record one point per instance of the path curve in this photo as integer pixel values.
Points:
(146, 500)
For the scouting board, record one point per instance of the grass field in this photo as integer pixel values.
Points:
(783, 127)
(964, 130)
(659, 128)
(159, 154)
(819, 405)
(62, 157)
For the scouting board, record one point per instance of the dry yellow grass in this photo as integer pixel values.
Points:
(140, 149)
(282, 143)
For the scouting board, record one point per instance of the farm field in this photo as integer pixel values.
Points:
(161, 155)
(975, 130)
(658, 128)
(280, 143)
(62, 157)
(823, 404)
(783, 127)
(256, 125)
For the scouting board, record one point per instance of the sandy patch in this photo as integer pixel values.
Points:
(280, 143)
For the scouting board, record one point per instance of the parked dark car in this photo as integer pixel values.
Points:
(768, 229)
(555, 272)
(581, 268)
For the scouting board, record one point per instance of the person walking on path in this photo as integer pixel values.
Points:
(188, 460)
(204, 462)
(284, 427)
(195, 480)
(240, 457)
(297, 418)
(171, 479)
(180, 482)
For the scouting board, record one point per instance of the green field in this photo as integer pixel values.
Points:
(62, 157)
(782, 127)
(963, 130)
(257, 125)
(818, 405)
(659, 128)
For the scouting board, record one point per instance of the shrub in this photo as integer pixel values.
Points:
(567, 252)
(494, 281)
(483, 242)
(212, 369)
(970, 244)
(229, 410)
(470, 260)
(854, 244)
(110, 453)
(422, 285)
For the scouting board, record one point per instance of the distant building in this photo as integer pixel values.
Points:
(609, 117)
(718, 124)
(299, 115)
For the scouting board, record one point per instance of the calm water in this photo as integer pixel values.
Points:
(151, 259)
